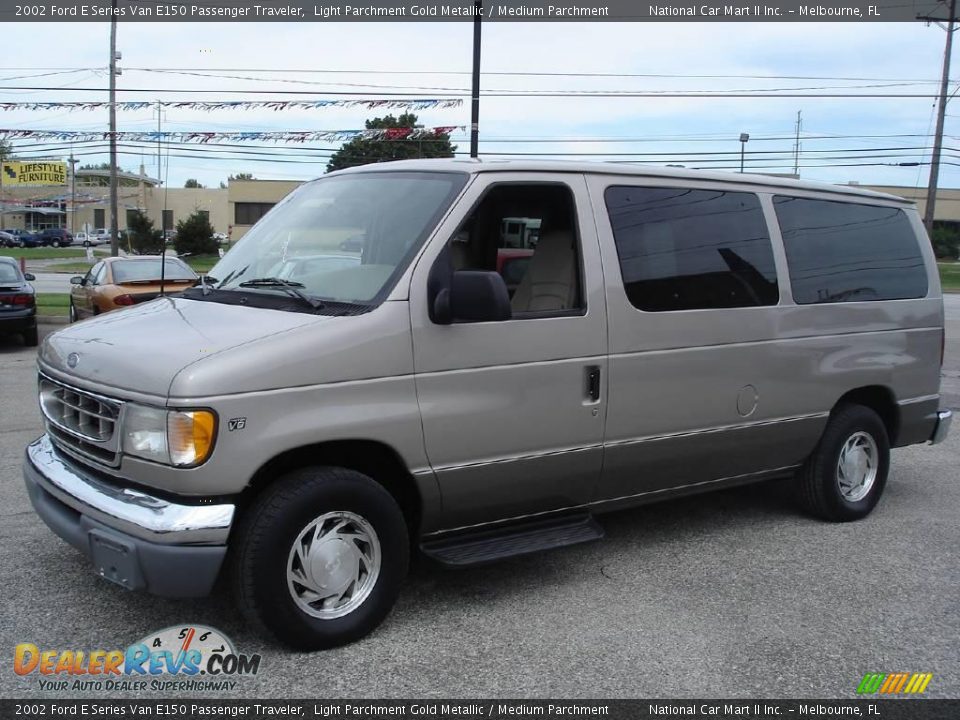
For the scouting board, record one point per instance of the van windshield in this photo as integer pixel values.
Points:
(344, 238)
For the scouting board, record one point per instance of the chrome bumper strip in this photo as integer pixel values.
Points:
(944, 418)
(131, 511)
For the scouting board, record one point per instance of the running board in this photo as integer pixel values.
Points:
(489, 545)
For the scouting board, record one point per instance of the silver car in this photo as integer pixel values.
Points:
(305, 424)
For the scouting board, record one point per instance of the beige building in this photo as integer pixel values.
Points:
(250, 200)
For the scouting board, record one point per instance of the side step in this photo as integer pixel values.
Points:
(490, 545)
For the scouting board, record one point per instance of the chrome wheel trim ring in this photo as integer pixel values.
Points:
(333, 565)
(857, 466)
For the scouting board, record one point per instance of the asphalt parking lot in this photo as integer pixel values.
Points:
(733, 594)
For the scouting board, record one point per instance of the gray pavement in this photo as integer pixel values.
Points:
(732, 594)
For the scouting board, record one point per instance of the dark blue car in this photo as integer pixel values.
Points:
(18, 304)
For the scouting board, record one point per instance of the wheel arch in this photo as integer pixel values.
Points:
(373, 458)
(881, 400)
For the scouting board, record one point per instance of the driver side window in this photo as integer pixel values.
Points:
(527, 234)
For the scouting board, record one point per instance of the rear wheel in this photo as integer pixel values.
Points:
(319, 558)
(844, 477)
(21, 243)
(73, 311)
(56, 243)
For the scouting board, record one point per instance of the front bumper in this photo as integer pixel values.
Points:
(133, 539)
(940, 432)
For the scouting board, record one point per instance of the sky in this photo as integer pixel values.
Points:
(842, 139)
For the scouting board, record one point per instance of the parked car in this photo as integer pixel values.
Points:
(117, 282)
(25, 239)
(7, 239)
(674, 332)
(56, 237)
(88, 239)
(18, 307)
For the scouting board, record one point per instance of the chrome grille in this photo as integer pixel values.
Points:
(81, 422)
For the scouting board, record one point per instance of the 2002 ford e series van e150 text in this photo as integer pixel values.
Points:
(316, 409)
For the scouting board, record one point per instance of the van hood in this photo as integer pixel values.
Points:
(141, 349)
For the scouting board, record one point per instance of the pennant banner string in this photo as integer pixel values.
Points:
(413, 104)
(414, 133)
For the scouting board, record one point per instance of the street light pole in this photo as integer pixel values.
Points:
(744, 137)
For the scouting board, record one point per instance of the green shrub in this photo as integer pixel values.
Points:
(143, 239)
(195, 236)
(946, 242)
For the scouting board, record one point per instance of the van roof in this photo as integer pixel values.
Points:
(476, 166)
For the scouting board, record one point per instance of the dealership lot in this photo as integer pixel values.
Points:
(733, 594)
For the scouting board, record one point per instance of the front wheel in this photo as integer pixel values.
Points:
(319, 558)
(73, 311)
(56, 243)
(844, 477)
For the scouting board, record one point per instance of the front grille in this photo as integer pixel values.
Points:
(81, 422)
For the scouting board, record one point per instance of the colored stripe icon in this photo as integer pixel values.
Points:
(894, 683)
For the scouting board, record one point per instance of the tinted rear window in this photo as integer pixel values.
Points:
(9, 274)
(683, 249)
(845, 252)
(141, 270)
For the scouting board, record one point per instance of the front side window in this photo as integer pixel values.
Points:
(685, 249)
(541, 270)
(343, 239)
(846, 252)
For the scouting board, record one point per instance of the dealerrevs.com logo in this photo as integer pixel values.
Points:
(894, 683)
(181, 658)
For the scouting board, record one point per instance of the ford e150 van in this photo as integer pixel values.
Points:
(673, 332)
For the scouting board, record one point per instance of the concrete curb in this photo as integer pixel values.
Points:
(52, 319)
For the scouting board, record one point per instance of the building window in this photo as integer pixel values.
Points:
(99, 219)
(250, 213)
(846, 252)
(167, 220)
(684, 249)
(205, 214)
(131, 216)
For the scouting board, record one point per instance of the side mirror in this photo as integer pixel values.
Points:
(29, 277)
(76, 280)
(477, 296)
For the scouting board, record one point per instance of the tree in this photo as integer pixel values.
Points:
(946, 241)
(192, 183)
(144, 239)
(195, 236)
(361, 151)
(241, 176)
(6, 150)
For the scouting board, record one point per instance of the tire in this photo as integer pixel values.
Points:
(827, 487)
(73, 312)
(55, 243)
(21, 243)
(30, 338)
(86, 243)
(265, 562)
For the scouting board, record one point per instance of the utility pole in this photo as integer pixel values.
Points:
(73, 194)
(158, 139)
(475, 92)
(796, 148)
(941, 114)
(114, 225)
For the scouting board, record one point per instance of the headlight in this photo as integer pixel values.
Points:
(173, 437)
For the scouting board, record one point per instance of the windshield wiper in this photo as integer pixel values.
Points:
(290, 287)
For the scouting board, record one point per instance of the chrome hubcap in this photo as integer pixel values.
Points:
(333, 565)
(857, 466)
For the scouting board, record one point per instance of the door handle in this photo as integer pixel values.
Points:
(593, 383)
